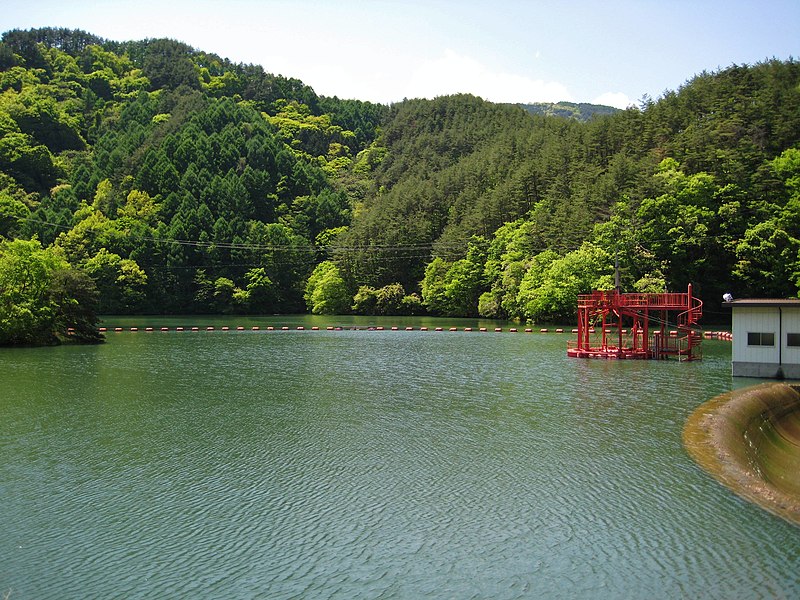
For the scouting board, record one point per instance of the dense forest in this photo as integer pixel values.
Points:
(152, 177)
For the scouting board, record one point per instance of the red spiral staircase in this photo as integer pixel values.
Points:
(619, 325)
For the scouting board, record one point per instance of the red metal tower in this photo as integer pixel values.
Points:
(616, 325)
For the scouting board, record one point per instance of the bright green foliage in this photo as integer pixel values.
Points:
(260, 291)
(787, 167)
(767, 259)
(12, 213)
(326, 291)
(225, 292)
(40, 295)
(40, 116)
(412, 305)
(139, 207)
(76, 296)
(434, 287)
(508, 260)
(651, 284)
(31, 164)
(549, 291)
(26, 313)
(389, 299)
(120, 281)
(365, 301)
(453, 289)
(311, 134)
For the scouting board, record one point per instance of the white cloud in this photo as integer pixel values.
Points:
(453, 73)
(616, 99)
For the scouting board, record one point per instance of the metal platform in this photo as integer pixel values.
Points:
(615, 325)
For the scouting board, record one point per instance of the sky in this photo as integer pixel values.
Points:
(613, 52)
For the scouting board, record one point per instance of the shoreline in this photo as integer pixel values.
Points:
(749, 441)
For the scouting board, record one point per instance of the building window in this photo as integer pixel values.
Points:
(793, 339)
(755, 338)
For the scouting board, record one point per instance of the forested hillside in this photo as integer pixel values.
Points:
(582, 111)
(176, 181)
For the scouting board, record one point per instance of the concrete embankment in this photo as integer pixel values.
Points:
(749, 440)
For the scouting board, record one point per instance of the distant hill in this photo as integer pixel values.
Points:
(580, 111)
(180, 182)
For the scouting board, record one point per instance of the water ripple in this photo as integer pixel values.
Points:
(368, 464)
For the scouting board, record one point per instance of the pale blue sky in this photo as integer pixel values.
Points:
(610, 52)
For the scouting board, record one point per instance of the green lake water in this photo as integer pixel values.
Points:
(367, 464)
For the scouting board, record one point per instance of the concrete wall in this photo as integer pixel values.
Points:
(776, 361)
(766, 370)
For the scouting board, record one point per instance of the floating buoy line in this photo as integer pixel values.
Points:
(721, 335)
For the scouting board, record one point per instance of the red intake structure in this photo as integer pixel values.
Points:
(617, 325)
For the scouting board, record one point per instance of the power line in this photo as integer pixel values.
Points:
(455, 248)
(288, 247)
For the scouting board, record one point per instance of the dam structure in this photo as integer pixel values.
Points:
(617, 325)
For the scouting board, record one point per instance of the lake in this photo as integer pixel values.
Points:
(367, 464)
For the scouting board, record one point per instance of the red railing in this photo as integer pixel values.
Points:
(643, 309)
(666, 301)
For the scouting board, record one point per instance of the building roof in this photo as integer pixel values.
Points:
(764, 302)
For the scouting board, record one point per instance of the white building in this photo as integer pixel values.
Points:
(766, 337)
